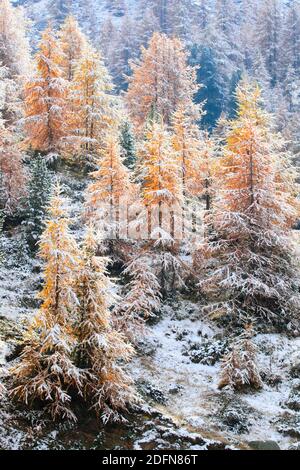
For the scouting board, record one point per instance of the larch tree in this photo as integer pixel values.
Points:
(194, 150)
(14, 44)
(111, 191)
(73, 44)
(142, 299)
(248, 259)
(11, 165)
(160, 171)
(188, 143)
(161, 80)
(45, 98)
(91, 107)
(14, 68)
(102, 351)
(46, 372)
(162, 199)
(12, 171)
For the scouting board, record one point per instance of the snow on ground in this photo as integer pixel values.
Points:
(193, 399)
(181, 387)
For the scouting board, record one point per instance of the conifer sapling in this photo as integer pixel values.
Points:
(239, 368)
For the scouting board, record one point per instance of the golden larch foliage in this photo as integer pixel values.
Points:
(161, 80)
(194, 150)
(112, 190)
(101, 349)
(91, 110)
(45, 97)
(46, 372)
(73, 44)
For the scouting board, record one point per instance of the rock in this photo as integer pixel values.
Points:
(175, 389)
(216, 446)
(148, 390)
(293, 402)
(289, 425)
(148, 346)
(295, 368)
(295, 446)
(234, 419)
(207, 352)
(264, 445)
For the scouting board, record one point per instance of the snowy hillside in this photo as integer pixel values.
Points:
(89, 13)
(149, 225)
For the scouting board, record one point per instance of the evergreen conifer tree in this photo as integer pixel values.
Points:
(128, 146)
(39, 190)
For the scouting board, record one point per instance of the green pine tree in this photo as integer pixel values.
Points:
(127, 142)
(39, 191)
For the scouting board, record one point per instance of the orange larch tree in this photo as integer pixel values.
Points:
(12, 173)
(195, 157)
(46, 371)
(161, 80)
(254, 275)
(91, 107)
(102, 350)
(45, 97)
(111, 191)
(191, 146)
(160, 170)
(73, 44)
(162, 197)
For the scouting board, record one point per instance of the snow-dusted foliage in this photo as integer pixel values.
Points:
(14, 44)
(111, 190)
(148, 88)
(2, 391)
(91, 108)
(142, 300)
(46, 371)
(154, 115)
(239, 368)
(101, 350)
(38, 194)
(45, 97)
(73, 44)
(11, 169)
(248, 260)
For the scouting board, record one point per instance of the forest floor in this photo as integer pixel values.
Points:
(176, 371)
